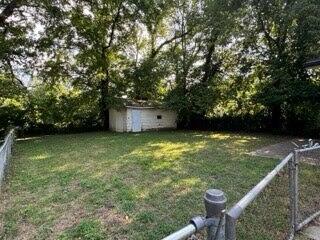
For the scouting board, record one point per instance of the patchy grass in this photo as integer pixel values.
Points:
(87, 229)
(137, 186)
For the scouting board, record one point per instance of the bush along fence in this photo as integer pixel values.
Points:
(5, 152)
(221, 223)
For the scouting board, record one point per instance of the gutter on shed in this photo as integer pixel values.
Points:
(313, 63)
(136, 107)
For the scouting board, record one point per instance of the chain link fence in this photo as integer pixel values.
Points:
(268, 216)
(293, 201)
(308, 199)
(269, 207)
(5, 153)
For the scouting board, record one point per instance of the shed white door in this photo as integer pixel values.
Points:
(136, 121)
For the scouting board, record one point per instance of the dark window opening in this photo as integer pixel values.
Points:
(159, 117)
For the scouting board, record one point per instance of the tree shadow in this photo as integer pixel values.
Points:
(156, 179)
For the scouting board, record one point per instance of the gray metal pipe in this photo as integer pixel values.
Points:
(238, 208)
(183, 233)
(295, 189)
(317, 147)
(230, 228)
(292, 199)
(308, 220)
(215, 204)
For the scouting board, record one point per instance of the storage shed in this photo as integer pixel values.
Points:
(141, 116)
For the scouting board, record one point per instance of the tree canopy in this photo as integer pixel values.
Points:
(219, 63)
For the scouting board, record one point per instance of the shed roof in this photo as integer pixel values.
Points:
(130, 103)
(313, 63)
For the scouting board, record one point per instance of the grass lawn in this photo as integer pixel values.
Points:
(137, 186)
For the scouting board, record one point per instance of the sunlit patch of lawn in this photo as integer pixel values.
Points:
(135, 186)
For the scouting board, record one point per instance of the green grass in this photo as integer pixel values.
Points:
(137, 186)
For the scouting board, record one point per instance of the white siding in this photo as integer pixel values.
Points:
(149, 119)
(112, 119)
(117, 120)
(129, 119)
(121, 121)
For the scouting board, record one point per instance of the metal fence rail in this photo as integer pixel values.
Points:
(235, 212)
(5, 153)
(221, 226)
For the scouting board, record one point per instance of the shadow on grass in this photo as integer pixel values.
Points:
(154, 181)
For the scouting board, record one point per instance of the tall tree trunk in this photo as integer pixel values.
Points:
(210, 68)
(104, 106)
(104, 83)
(276, 117)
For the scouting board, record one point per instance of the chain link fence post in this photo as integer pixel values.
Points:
(291, 166)
(296, 189)
(294, 193)
(215, 204)
(214, 221)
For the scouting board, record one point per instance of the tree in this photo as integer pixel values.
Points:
(206, 58)
(12, 103)
(197, 65)
(19, 40)
(288, 31)
(156, 31)
(18, 37)
(99, 34)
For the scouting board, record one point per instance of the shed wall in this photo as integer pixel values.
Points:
(117, 120)
(150, 121)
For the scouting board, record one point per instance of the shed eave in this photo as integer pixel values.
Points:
(136, 107)
(313, 64)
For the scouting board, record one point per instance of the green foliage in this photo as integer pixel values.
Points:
(12, 104)
(64, 64)
(147, 80)
(60, 107)
(288, 36)
(196, 86)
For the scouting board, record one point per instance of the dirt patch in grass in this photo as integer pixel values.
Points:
(26, 231)
(282, 149)
(69, 219)
(113, 221)
(110, 217)
(4, 202)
